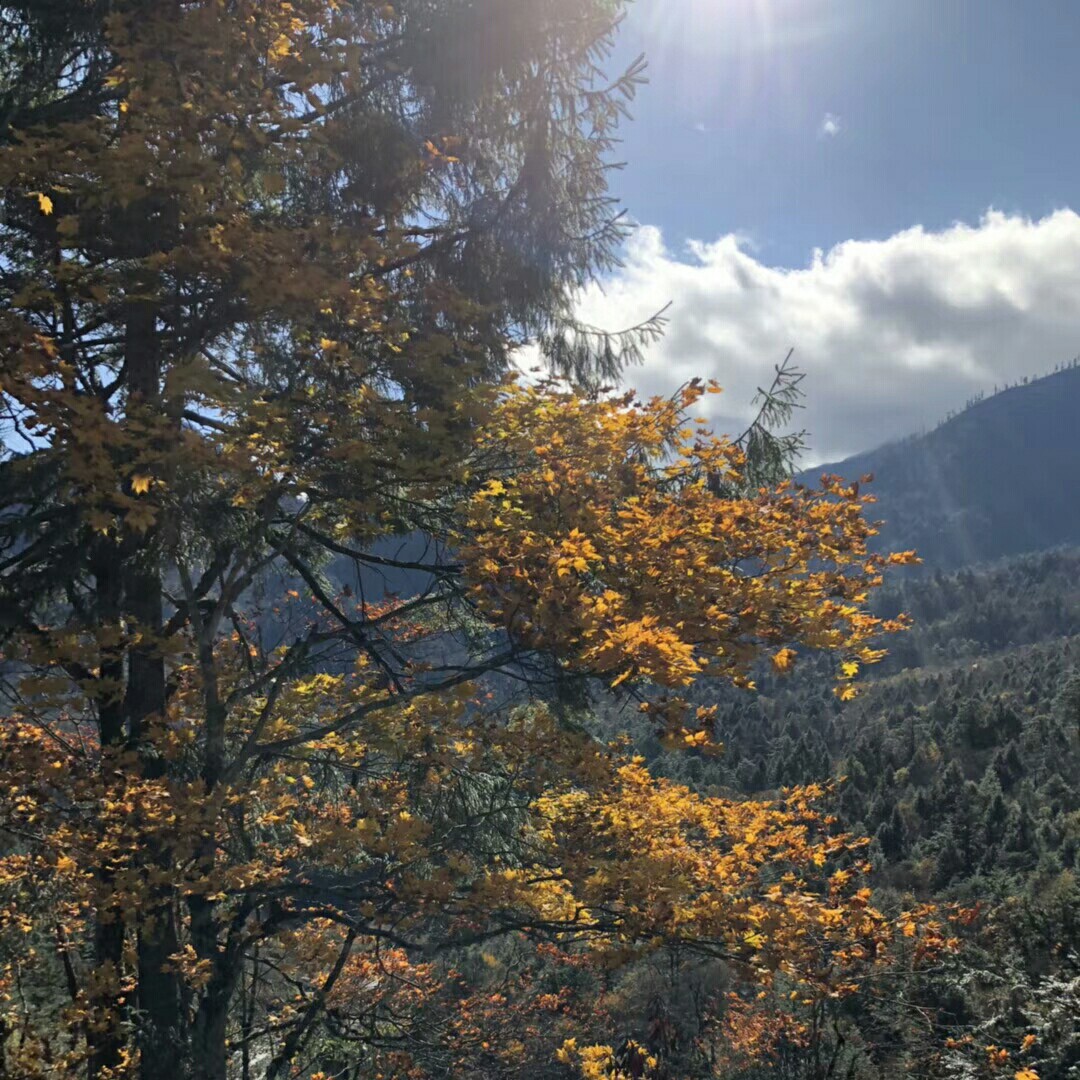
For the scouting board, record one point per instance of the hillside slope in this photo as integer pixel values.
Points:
(999, 479)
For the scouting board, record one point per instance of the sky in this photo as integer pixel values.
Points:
(886, 186)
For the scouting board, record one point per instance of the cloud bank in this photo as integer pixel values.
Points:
(892, 333)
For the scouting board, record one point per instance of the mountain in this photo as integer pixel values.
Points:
(998, 479)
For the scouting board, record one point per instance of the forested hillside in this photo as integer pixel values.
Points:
(984, 688)
(985, 483)
(960, 758)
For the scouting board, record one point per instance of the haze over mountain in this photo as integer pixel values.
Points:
(996, 480)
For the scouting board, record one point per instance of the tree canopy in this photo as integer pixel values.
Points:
(265, 267)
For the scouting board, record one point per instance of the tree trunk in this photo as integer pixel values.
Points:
(208, 1052)
(105, 1039)
(162, 1035)
(163, 1053)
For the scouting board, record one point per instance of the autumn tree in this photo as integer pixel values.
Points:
(264, 268)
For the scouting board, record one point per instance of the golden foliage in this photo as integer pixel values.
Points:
(602, 540)
(218, 374)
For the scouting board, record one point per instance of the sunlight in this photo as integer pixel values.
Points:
(718, 29)
(732, 62)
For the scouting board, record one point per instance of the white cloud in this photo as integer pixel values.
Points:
(830, 125)
(892, 333)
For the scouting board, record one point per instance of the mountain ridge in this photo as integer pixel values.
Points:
(984, 484)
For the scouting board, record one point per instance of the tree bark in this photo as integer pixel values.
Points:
(210, 1027)
(105, 1041)
(163, 1053)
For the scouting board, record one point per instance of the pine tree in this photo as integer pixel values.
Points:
(254, 255)
(265, 267)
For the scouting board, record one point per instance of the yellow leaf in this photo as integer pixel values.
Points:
(566, 1052)
(140, 483)
(280, 48)
(783, 660)
(45, 204)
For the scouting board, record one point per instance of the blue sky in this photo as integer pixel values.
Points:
(945, 107)
(886, 186)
